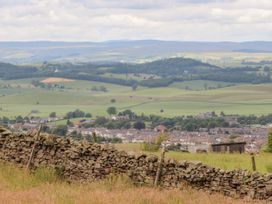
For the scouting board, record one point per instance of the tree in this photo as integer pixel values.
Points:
(127, 112)
(88, 115)
(69, 123)
(111, 110)
(75, 114)
(61, 130)
(113, 100)
(222, 114)
(53, 115)
(134, 87)
(103, 89)
(269, 144)
(19, 119)
(100, 121)
(139, 125)
(205, 86)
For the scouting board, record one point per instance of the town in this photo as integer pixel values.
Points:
(250, 137)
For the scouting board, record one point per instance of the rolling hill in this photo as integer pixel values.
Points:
(129, 51)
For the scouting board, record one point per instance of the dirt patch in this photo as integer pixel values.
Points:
(56, 80)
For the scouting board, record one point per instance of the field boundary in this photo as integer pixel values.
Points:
(84, 161)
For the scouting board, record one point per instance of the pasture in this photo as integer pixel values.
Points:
(19, 97)
(224, 161)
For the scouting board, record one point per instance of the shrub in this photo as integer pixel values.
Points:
(150, 147)
(269, 143)
(155, 144)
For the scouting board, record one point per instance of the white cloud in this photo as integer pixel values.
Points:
(99, 20)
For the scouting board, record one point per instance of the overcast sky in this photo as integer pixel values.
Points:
(101, 20)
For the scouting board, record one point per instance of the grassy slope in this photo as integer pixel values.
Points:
(224, 161)
(198, 85)
(43, 186)
(228, 59)
(243, 99)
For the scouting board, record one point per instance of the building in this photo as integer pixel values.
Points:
(160, 128)
(232, 147)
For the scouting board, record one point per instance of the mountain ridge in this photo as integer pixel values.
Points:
(128, 51)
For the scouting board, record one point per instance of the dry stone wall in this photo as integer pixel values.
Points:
(83, 161)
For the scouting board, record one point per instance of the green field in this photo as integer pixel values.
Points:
(227, 59)
(199, 85)
(20, 98)
(224, 161)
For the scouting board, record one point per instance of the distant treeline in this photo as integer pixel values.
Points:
(168, 70)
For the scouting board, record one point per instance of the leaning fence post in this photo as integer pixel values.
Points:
(33, 148)
(158, 173)
(253, 162)
(94, 137)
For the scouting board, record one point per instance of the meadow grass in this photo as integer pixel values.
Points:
(241, 99)
(198, 85)
(224, 161)
(43, 186)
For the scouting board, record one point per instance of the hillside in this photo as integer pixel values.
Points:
(158, 73)
(7, 70)
(19, 97)
(168, 67)
(129, 51)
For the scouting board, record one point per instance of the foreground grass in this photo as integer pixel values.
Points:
(224, 161)
(17, 186)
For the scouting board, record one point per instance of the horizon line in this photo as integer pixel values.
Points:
(129, 40)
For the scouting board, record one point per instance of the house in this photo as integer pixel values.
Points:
(119, 117)
(207, 115)
(232, 147)
(160, 128)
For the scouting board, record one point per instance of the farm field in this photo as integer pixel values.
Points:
(224, 161)
(43, 186)
(199, 85)
(20, 98)
(227, 59)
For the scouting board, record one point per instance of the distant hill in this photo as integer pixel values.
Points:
(128, 51)
(9, 70)
(167, 67)
(160, 73)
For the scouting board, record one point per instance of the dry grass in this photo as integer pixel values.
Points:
(17, 186)
(56, 80)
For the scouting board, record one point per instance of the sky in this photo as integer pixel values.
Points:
(103, 20)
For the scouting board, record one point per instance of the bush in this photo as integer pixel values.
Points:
(155, 144)
(269, 143)
(150, 147)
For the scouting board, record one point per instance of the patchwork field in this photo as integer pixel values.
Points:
(227, 59)
(19, 97)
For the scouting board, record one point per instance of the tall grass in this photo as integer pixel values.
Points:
(44, 187)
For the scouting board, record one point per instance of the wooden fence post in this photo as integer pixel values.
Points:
(158, 173)
(33, 148)
(94, 137)
(253, 162)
